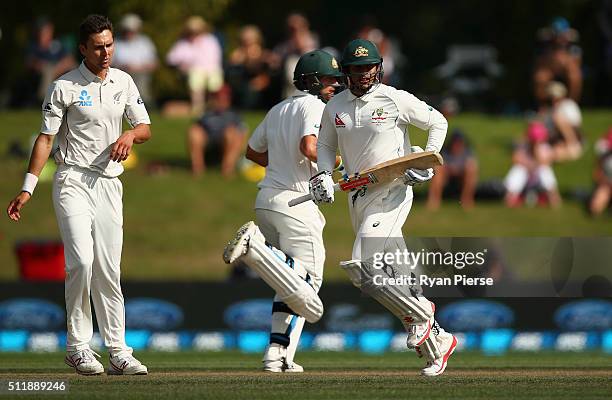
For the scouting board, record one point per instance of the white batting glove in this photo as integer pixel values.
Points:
(413, 176)
(322, 187)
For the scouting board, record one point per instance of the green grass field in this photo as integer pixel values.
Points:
(232, 375)
(176, 226)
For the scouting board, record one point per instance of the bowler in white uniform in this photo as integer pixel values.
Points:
(85, 108)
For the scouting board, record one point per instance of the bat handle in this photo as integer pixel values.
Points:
(306, 197)
(300, 200)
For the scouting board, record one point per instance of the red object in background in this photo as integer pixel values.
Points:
(41, 261)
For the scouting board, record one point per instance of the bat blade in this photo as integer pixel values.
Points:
(383, 172)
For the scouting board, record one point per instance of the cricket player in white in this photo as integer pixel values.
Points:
(285, 143)
(368, 125)
(85, 108)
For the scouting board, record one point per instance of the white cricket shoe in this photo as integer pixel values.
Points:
(447, 343)
(275, 360)
(124, 363)
(293, 368)
(239, 245)
(84, 362)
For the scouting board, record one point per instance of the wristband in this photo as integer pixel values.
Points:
(29, 183)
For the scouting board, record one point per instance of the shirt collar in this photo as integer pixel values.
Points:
(299, 93)
(90, 76)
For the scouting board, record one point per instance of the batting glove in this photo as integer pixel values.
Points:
(414, 176)
(322, 187)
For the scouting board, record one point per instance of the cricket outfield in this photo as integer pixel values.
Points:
(341, 375)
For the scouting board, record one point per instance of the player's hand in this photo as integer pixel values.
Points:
(322, 187)
(16, 204)
(120, 150)
(414, 176)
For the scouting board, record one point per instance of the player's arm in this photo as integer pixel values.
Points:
(137, 116)
(425, 117)
(257, 147)
(40, 154)
(256, 157)
(123, 146)
(327, 144)
(308, 147)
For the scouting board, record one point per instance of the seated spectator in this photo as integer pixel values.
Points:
(219, 133)
(198, 56)
(389, 48)
(602, 175)
(458, 175)
(248, 71)
(563, 120)
(46, 57)
(559, 59)
(300, 39)
(531, 173)
(135, 54)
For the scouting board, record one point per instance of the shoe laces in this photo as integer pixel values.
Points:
(84, 356)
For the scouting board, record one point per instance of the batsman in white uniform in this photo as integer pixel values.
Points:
(84, 108)
(368, 125)
(285, 143)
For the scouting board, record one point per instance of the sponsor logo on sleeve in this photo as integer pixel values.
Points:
(47, 108)
(139, 101)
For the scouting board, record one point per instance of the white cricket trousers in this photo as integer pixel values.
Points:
(88, 207)
(300, 236)
(378, 214)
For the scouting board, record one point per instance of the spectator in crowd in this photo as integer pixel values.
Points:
(389, 50)
(559, 59)
(563, 120)
(602, 175)
(249, 68)
(135, 53)
(458, 175)
(531, 173)
(300, 40)
(198, 56)
(220, 132)
(46, 57)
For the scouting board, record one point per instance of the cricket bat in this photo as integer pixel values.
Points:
(382, 173)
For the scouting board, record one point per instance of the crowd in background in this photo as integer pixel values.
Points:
(254, 75)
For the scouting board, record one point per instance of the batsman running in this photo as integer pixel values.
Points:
(286, 144)
(368, 125)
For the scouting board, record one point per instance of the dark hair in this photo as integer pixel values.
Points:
(93, 24)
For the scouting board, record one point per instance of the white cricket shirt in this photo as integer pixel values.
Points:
(87, 114)
(280, 134)
(373, 128)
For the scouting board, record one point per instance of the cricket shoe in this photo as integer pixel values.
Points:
(447, 344)
(124, 363)
(275, 360)
(239, 245)
(418, 333)
(84, 362)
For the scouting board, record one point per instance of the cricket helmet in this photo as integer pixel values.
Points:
(313, 65)
(361, 52)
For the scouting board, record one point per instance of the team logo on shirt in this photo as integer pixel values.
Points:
(85, 99)
(117, 97)
(379, 116)
(339, 122)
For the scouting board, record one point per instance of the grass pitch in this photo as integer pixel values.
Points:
(232, 375)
